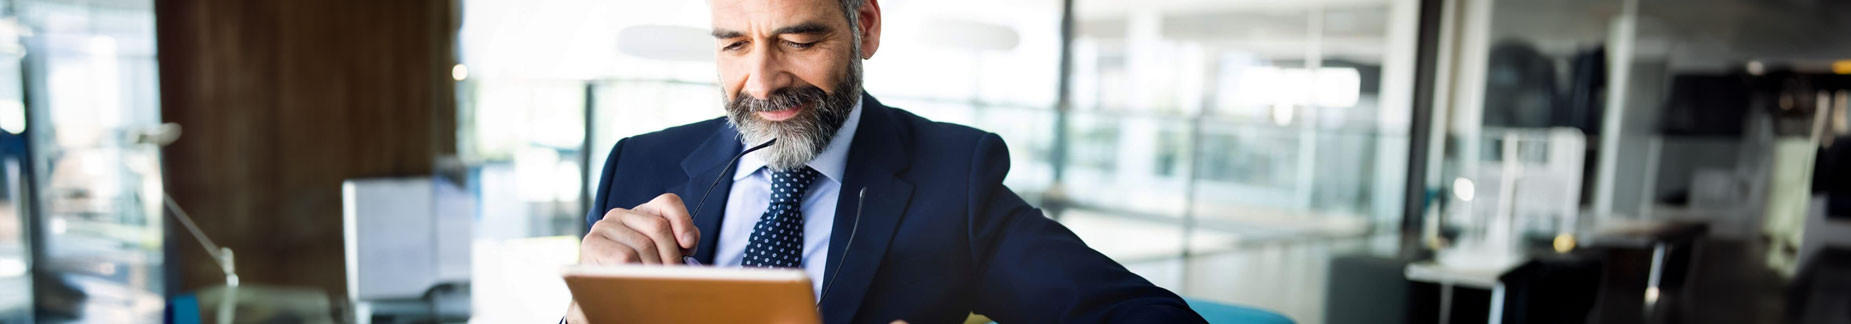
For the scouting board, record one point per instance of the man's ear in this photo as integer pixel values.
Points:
(870, 15)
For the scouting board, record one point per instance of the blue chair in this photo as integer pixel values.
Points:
(1219, 313)
(183, 309)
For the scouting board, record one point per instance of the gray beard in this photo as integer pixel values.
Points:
(804, 136)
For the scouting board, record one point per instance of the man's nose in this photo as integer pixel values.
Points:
(768, 73)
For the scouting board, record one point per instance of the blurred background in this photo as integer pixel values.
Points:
(1330, 161)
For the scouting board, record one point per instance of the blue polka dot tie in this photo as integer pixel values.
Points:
(777, 240)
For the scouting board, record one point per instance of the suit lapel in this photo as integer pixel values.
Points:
(874, 162)
(706, 163)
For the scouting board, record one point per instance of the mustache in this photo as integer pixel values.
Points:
(780, 99)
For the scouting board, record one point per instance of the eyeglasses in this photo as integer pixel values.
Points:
(689, 259)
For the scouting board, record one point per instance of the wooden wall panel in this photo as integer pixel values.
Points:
(279, 101)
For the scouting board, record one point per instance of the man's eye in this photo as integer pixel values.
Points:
(797, 45)
(734, 46)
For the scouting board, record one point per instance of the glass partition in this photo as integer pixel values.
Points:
(1270, 136)
(92, 87)
(16, 226)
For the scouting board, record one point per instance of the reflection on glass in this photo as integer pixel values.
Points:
(99, 190)
(1266, 120)
(1110, 152)
(1258, 158)
(15, 225)
(522, 141)
(15, 252)
(1242, 127)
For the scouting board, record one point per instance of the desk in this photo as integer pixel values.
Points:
(1664, 249)
(1626, 268)
(1451, 277)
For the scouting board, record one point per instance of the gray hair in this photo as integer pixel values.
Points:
(851, 9)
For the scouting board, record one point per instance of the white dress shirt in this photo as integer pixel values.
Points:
(751, 195)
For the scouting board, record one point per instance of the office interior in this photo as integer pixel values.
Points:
(1324, 161)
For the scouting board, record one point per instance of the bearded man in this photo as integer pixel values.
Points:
(892, 216)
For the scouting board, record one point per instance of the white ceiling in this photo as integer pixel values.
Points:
(1090, 9)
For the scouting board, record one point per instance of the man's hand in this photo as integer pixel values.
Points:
(657, 232)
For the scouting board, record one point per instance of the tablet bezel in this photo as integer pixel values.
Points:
(691, 294)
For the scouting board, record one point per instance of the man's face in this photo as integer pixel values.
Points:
(767, 45)
(789, 69)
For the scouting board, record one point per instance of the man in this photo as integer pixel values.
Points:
(893, 217)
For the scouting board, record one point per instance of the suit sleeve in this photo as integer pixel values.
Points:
(600, 202)
(1031, 269)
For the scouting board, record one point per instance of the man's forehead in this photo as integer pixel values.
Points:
(741, 14)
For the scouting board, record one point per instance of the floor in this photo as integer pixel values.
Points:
(1283, 276)
(1727, 283)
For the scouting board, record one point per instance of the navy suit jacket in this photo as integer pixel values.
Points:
(939, 237)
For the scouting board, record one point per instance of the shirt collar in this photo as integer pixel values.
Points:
(831, 163)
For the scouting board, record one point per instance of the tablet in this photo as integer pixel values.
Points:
(691, 294)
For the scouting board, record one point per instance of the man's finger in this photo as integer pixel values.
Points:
(671, 208)
(595, 247)
(641, 246)
(613, 241)
(614, 212)
(657, 233)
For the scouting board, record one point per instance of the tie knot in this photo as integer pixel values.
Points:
(788, 186)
